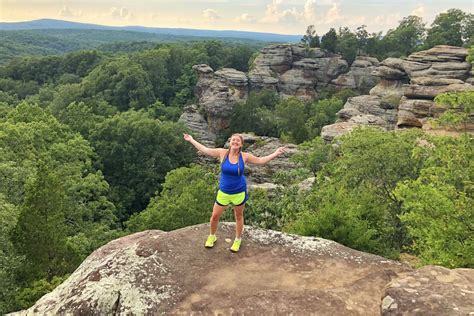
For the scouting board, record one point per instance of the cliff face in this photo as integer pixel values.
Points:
(155, 272)
(404, 97)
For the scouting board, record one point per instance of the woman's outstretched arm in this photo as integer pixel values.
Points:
(263, 160)
(213, 152)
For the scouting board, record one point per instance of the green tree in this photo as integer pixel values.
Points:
(10, 261)
(347, 44)
(407, 37)
(460, 109)
(186, 199)
(310, 39)
(256, 114)
(329, 41)
(362, 38)
(291, 120)
(447, 28)
(135, 153)
(353, 200)
(437, 205)
(40, 233)
(122, 83)
(322, 113)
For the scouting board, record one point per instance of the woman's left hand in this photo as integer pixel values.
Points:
(280, 150)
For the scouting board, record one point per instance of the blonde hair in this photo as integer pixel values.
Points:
(240, 150)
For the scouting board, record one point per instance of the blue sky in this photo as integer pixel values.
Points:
(276, 16)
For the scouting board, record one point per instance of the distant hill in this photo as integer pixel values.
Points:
(59, 24)
(59, 41)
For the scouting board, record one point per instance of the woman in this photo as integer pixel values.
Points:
(232, 184)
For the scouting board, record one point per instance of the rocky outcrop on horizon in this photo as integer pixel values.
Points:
(156, 272)
(404, 97)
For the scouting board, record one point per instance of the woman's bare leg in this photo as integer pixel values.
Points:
(217, 211)
(239, 220)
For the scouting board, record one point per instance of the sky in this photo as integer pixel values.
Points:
(274, 16)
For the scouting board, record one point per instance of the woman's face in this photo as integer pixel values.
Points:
(235, 142)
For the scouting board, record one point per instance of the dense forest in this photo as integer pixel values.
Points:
(91, 150)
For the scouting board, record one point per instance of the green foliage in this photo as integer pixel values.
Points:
(10, 261)
(345, 94)
(186, 199)
(438, 204)
(322, 113)
(406, 37)
(310, 39)
(460, 109)
(256, 114)
(122, 83)
(352, 218)
(135, 153)
(347, 44)
(313, 155)
(291, 120)
(29, 295)
(55, 205)
(329, 41)
(352, 201)
(448, 28)
(40, 233)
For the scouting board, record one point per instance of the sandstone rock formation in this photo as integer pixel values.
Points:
(430, 290)
(409, 86)
(289, 70)
(198, 125)
(155, 272)
(218, 92)
(360, 76)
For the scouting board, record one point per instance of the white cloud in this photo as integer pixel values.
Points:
(387, 21)
(419, 11)
(275, 14)
(246, 18)
(333, 14)
(120, 14)
(310, 10)
(210, 15)
(65, 12)
(322, 11)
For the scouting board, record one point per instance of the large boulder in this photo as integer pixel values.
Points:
(370, 110)
(332, 131)
(360, 76)
(430, 290)
(300, 81)
(414, 91)
(219, 92)
(196, 122)
(155, 272)
(330, 68)
(440, 53)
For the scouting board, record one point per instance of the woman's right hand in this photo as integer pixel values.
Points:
(187, 137)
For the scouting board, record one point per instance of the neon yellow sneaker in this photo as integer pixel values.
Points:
(211, 239)
(236, 245)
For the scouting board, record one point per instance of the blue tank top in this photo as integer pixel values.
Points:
(231, 182)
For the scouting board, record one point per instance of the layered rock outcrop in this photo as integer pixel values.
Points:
(159, 273)
(218, 92)
(289, 70)
(361, 75)
(405, 94)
